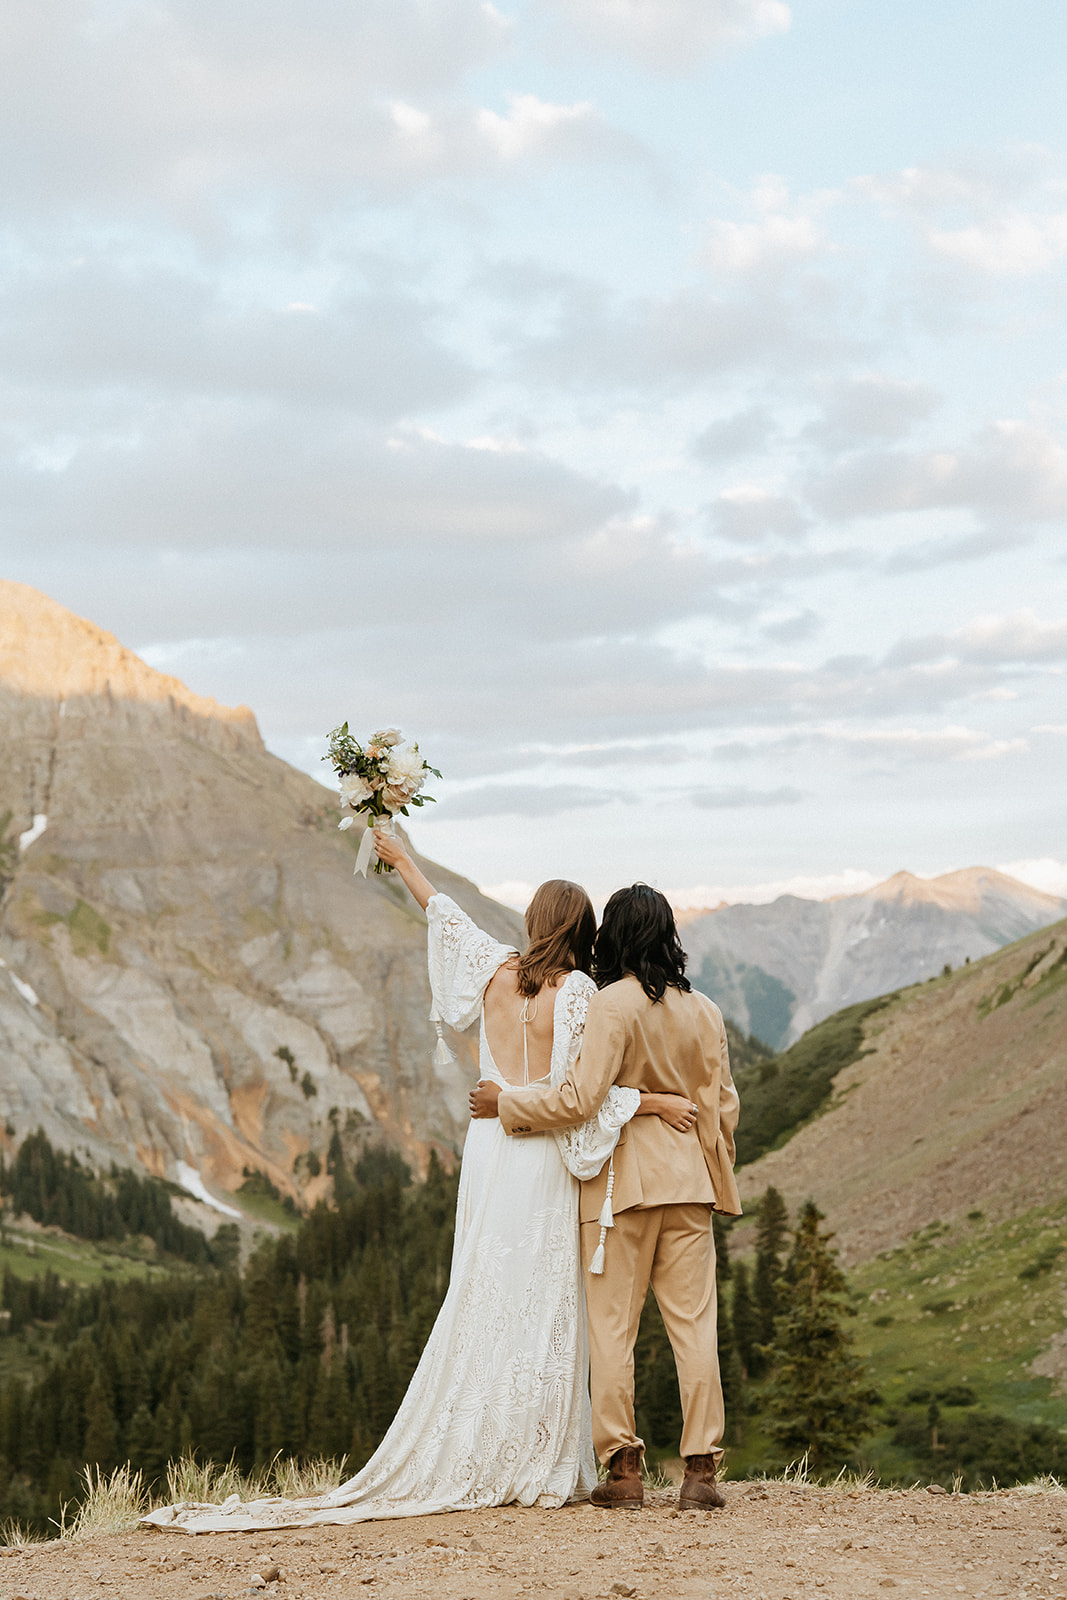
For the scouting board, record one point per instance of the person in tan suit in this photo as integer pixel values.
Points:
(647, 1029)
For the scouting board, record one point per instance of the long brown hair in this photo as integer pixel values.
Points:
(561, 927)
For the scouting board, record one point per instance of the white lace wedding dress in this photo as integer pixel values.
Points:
(498, 1409)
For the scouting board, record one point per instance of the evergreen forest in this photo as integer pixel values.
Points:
(307, 1349)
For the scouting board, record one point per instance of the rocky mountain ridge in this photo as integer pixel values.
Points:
(776, 969)
(958, 1101)
(191, 980)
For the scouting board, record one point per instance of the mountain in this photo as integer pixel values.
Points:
(777, 969)
(955, 1102)
(191, 980)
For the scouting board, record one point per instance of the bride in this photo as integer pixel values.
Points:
(497, 1411)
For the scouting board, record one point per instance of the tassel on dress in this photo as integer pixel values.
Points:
(607, 1220)
(442, 1055)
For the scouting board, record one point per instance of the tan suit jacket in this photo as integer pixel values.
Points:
(675, 1046)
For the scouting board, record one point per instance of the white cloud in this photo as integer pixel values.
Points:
(535, 127)
(851, 880)
(1010, 246)
(227, 475)
(672, 35)
(748, 513)
(179, 106)
(523, 800)
(930, 744)
(511, 892)
(771, 243)
(996, 214)
(1045, 873)
(1020, 637)
(870, 406)
(727, 438)
(739, 797)
(1011, 467)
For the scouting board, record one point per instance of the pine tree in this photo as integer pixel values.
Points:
(770, 1241)
(101, 1434)
(818, 1401)
(745, 1321)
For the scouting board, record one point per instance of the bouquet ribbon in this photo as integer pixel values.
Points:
(366, 845)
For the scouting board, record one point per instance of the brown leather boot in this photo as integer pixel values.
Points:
(699, 1490)
(622, 1490)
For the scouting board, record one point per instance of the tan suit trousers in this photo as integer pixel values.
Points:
(673, 1248)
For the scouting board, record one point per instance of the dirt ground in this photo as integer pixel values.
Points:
(772, 1542)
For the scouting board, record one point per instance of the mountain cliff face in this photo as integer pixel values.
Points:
(190, 977)
(779, 968)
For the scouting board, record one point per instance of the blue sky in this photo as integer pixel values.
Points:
(657, 407)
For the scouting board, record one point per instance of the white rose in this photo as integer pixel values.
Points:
(388, 737)
(406, 770)
(354, 789)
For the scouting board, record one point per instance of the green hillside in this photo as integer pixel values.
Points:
(779, 1093)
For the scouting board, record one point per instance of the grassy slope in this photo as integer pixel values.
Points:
(782, 1093)
(30, 1253)
(972, 1303)
(946, 1304)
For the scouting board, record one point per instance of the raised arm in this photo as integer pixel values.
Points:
(391, 850)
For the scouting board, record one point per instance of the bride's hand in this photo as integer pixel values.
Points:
(389, 848)
(483, 1099)
(673, 1109)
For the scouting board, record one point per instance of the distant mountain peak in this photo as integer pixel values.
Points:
(964, 890)
(53, 654)
(776, 969)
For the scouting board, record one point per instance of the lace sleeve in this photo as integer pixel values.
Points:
(461, 959)
(586, 1147)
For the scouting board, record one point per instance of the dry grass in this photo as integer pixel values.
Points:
(1046, 1484)
(114, 1503)
(12, 1534)
(295, 1479)
(205, 1483)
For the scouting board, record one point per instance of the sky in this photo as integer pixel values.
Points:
(656, 408)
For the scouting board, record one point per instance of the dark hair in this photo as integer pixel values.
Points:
(638, 935)
(561, 927)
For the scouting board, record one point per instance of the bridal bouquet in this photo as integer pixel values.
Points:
(381, 779)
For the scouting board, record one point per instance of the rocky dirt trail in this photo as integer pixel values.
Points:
(772, 1542)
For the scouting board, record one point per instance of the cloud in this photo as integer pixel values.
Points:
(680, 340)
(852, 880)
(1044, 873)
(745, 433)
(672, 35)
(925, 744)
(747, 514)
(534, 127)
(225, 475)
(1010, 468)
(927, 554)
(1014, 246)
(738, 797)
(523, 800)
(97, 323)
(1021, 638)
(993, 214)
(793, 628)
(178, 107)
(870, 406)
(770, 244)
